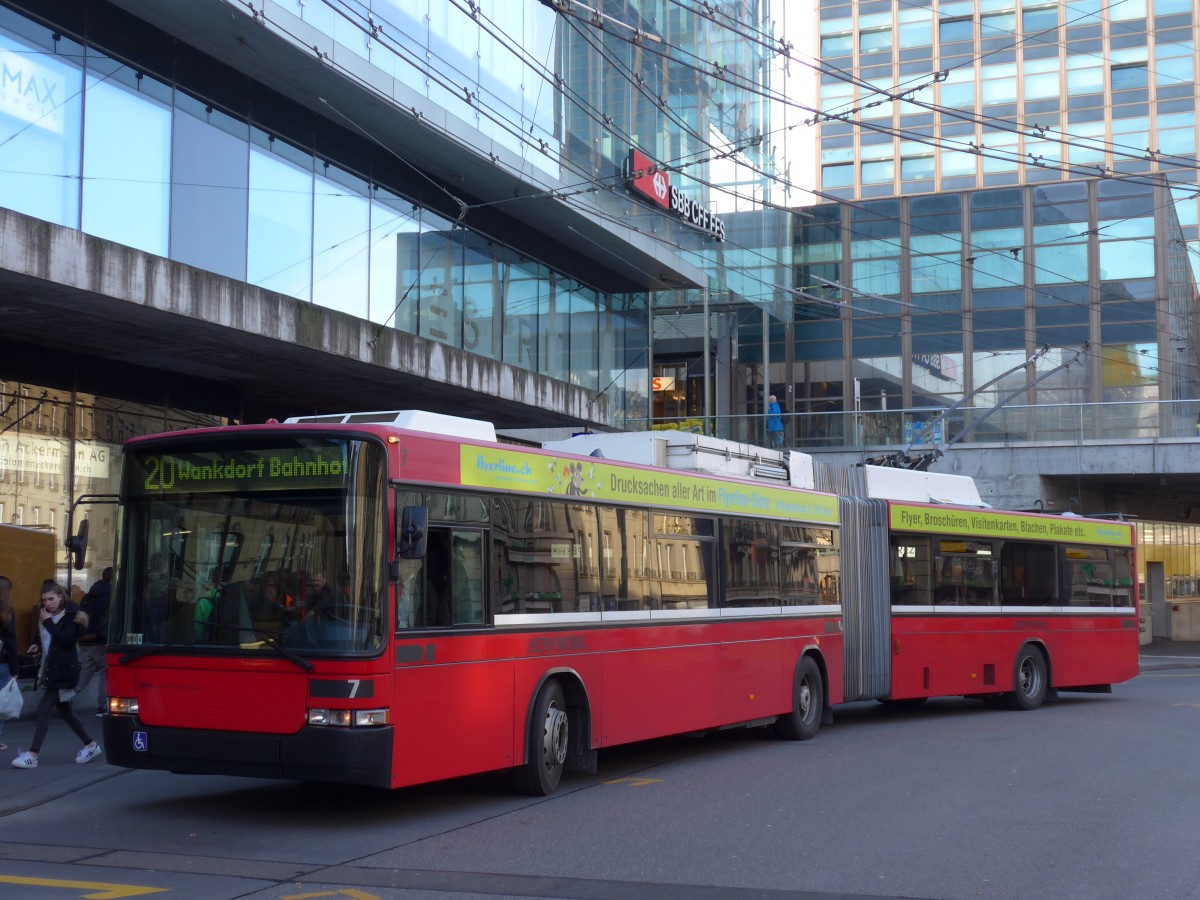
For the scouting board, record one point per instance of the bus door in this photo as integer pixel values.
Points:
(454, 683)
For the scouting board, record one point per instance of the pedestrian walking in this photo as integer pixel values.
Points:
(93, 640)
(774, 422)
(60, 624)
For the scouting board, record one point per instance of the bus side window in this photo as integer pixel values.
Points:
(1028, 574)
(911, 571)
(454, 578)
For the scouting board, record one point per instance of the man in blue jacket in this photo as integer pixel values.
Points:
(774, 422)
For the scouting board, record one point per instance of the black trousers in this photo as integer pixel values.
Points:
(49, 700)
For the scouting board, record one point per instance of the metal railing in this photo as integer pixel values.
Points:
(1069, 423)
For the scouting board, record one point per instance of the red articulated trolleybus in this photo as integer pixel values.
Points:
(396, 598)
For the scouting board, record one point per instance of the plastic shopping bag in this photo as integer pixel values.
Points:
(11, 700)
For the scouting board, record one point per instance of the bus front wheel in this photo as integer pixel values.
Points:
(808, 704)
(1029, 680)
(546, 744)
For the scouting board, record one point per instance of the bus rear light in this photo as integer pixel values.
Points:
(345, 718)
(122, 706)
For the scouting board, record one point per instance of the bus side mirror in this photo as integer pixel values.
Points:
(77, 546)
(414, 525)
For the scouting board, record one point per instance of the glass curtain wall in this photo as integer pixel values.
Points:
(1127, 217)
(1083, 269)
(700, 91)
(818, 378)
(878, 317)
(935, 260)
(1092, 87)
(185, 178)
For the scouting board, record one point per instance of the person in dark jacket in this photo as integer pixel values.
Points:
(93, 640)
(61, 622)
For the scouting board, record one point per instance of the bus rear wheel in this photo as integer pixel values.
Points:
(1029, 680)
(808, 704)
(546, 744)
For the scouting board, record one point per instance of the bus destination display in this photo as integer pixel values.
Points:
(272, 469)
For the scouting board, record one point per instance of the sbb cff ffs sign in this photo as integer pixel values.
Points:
(646, 178)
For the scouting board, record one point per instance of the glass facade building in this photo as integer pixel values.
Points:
(1000, 176)
(981, 93)
(1004, 181)
(389, 161)
(945, 296)
(211, 175)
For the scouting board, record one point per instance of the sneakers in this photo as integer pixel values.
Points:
(26, 760)
(86, 755)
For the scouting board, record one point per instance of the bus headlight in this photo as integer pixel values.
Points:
(365, 718)
(122, 706)
(345, 718)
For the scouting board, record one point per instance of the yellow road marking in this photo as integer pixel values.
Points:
(347, 892)
(635, 782)
(104, 891)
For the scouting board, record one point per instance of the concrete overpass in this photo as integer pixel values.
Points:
(149, 329)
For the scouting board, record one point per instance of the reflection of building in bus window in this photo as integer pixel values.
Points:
(408, 601)
(467, 585)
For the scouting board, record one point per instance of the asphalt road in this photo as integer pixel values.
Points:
(1093, 796)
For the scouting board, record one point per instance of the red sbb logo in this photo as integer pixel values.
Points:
(647, 179)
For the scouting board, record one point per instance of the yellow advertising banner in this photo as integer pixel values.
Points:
(983, 523)
(507, 469)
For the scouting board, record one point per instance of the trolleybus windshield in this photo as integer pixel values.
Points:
(250, 547)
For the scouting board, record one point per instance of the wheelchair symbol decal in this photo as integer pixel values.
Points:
(140, 742)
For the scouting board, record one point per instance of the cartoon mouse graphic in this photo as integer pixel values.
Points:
(575, 486)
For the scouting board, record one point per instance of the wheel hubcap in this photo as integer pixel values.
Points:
(1030, 678)
(554, 737)
(805, 698)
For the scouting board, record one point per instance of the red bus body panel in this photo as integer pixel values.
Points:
(462, 706)
(957, 650)
(263, 696)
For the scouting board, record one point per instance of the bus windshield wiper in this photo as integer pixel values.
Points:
(270, 640)
(150, 650)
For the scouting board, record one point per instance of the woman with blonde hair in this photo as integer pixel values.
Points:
(61, 622)
(8, 635)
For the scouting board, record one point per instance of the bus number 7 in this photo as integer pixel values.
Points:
(354, 683)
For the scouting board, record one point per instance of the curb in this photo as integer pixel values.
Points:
(1163, 663)
(18, 800)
